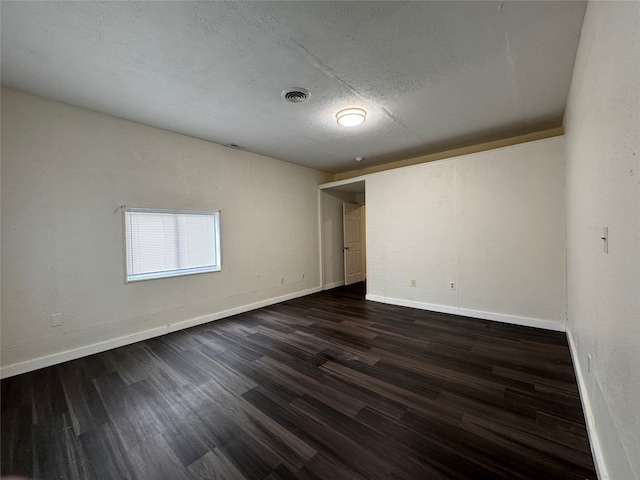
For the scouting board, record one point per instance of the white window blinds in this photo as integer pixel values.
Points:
(167, 243)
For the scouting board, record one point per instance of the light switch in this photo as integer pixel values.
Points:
(605, 239)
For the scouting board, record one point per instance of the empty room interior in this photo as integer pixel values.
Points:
(320, 240)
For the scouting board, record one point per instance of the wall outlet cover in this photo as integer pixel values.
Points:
(56, 319)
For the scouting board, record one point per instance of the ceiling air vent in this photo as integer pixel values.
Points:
(296, 95)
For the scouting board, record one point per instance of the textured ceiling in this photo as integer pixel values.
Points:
(431, 75)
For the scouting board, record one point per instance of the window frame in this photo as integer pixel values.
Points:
(132, 278)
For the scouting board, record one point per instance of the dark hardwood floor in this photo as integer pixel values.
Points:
(328, 386)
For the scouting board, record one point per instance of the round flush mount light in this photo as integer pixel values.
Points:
(351, 117)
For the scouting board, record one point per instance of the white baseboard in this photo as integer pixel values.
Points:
(596, 450)
(329, 286)
(53, 359)
(497, 317)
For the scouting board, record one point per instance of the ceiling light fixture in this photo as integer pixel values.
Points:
(351, 117)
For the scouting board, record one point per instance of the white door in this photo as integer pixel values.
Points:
(352, 218)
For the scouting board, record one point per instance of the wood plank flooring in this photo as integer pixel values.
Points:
(328, 386)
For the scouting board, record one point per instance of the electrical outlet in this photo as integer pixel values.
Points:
(413, 283)
(452, 285)
(303, 276)
(56, 319)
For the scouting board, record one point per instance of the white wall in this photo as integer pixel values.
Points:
(602, 122)
(492, 222)
(65, 171)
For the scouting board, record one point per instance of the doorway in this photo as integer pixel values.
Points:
(353, 224)
(343, 224)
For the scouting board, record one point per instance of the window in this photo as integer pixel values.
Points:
(169, 243)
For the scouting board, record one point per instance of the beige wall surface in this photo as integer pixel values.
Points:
(492, 222)
(602, 122)
(65, 172)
